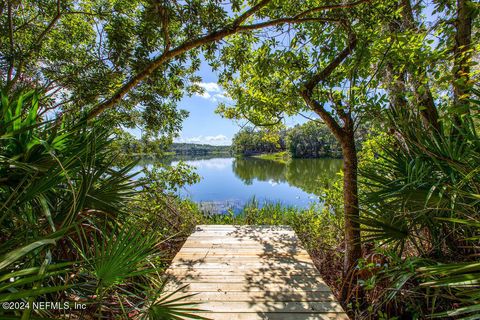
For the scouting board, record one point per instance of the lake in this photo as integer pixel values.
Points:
(230, 183)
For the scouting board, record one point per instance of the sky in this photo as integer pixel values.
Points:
(203, 125)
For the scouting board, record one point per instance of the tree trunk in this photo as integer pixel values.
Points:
(398, 87)
(461, 67)
(353, 250)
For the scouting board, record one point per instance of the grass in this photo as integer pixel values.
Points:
(282, 156)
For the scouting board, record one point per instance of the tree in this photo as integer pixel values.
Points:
(249, 141)
(94, 55)
(422, 62)
(323, 67)
(313, 139)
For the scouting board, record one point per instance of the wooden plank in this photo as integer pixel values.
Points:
(246, 233)
(273, 316)
(239, 248)
(251, 272)
(240, 259)
(239, 254)
(253, 237)
(259, 296)
(241, 278)
(206, 227)
(245, 286)
(261, 266)
(192, 273)
(270, 306)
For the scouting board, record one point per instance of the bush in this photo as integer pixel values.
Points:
(63, 208)
(421, 210)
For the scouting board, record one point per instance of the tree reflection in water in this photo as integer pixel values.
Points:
(310, 175)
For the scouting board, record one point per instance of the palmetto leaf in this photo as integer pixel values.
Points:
(50, 175)
(423, 194)
(172, 306)
(118, 254)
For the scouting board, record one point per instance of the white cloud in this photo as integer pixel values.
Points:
(219, 163)
(204, 95)
(210, 86)
(219, 139)
(212, 91)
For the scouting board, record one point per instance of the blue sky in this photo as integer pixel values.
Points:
(205, 126)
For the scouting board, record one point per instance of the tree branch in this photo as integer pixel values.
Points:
(327, 71)
(324, 114)
(307, 91)
(50, 25)
(234, 27)
(331, 7)
(277, 22)
(36, 44)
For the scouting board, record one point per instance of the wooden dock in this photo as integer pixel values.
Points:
(251, 272)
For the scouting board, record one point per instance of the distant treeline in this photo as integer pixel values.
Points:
(198, 149)
(310, 140)
(159, 147)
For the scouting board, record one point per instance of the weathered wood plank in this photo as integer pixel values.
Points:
(260, 296)
(191, 273)
(267, 259)
(251, 272)
(241, 278)
(239, 248)
(241, 227)
(242, 287)
(261, 266)
(273, 316)
(278, 307)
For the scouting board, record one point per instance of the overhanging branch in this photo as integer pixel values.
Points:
(235, 27)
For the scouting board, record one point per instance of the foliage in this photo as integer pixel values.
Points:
(249, 141)
(403, 66)
(131, 59)
(408, 71)
(421, 202)
(194, 149)
(158, 209)
(160, 147)
(63, 203)
(171, 306)
(315, 227)
(117, 256)
(312, 140)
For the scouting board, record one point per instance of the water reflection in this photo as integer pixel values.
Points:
(306, 174)
(230, 183)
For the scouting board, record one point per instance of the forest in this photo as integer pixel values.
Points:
(309, 140)
(129, 146)
(397, 235)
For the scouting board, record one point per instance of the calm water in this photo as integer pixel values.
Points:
(229, 183)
